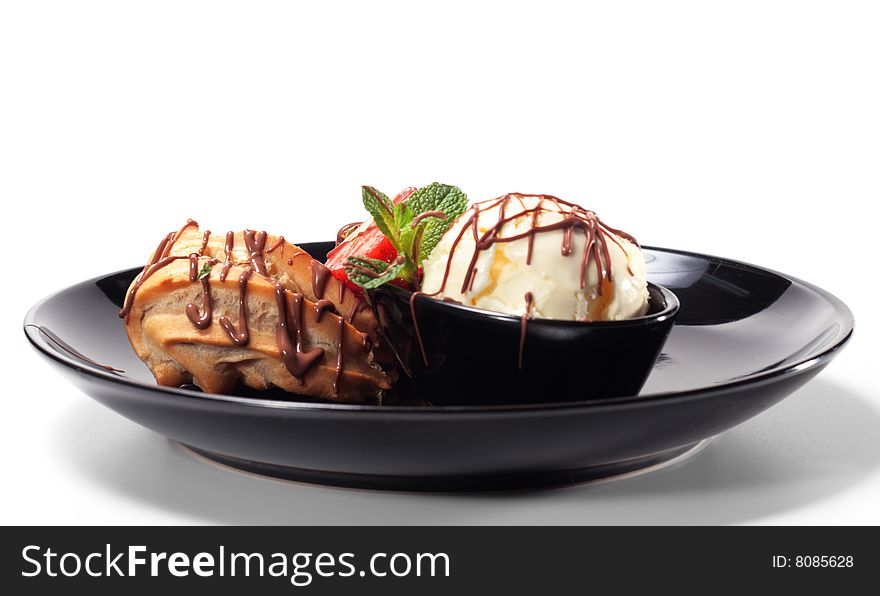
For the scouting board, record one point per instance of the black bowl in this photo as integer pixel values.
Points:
(470, 356)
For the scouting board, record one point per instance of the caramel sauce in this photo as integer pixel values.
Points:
(598, 307)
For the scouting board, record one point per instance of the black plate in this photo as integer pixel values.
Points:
(745, 338)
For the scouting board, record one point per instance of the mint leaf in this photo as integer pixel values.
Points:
(382, 209)
(206, 270)
(453, 203)
(403, 216)
(428, 197)
(372, 273)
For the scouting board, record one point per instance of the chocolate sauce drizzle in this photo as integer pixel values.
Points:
(346, 230)
(201, 320)
(320, 276)
(426, 214)
(160, 259)
(274, 247)
(574, 217)
(340, 326)
(227, 262)
(255, 243)
(193, 266)
(290, 317)
(341, 292)
(297, 361)
(415, 320)
(205, 237)
(239, 338)
(523, 327)
(358, 307)
(322, 306)
(363, 270)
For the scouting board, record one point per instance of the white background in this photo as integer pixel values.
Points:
(745, 129)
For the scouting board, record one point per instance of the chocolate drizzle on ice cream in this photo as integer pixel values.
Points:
(489, 225)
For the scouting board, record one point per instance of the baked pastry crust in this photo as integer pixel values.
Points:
(272, 317)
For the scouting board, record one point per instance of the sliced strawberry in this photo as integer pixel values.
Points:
(404, 194)
(371, 243)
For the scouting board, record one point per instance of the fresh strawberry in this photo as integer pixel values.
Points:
(370, 243)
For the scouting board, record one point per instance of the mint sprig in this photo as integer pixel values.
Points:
(383, 211)
(441, 204)
(371, 273)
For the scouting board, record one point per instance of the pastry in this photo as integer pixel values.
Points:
(249, 307)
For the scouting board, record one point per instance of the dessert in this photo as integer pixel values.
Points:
(218, 309)
(542, 255)
(248, 307)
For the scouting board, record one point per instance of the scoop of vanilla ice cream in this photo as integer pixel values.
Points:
(503, 277)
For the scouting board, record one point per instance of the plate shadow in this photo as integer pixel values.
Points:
(818, 442)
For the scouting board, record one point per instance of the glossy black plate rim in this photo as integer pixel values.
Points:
(35, 335)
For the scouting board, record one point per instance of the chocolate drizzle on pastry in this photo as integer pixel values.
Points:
(227, 262)
(291, 325)
(255, 243)
(193, 266)
(296, 360)
(320, 276)
(341, 293)
(205, 237)
(274, 247)
(322, 306)
(202, 320)
(242, 337)
(340, 329)
(160, 259)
